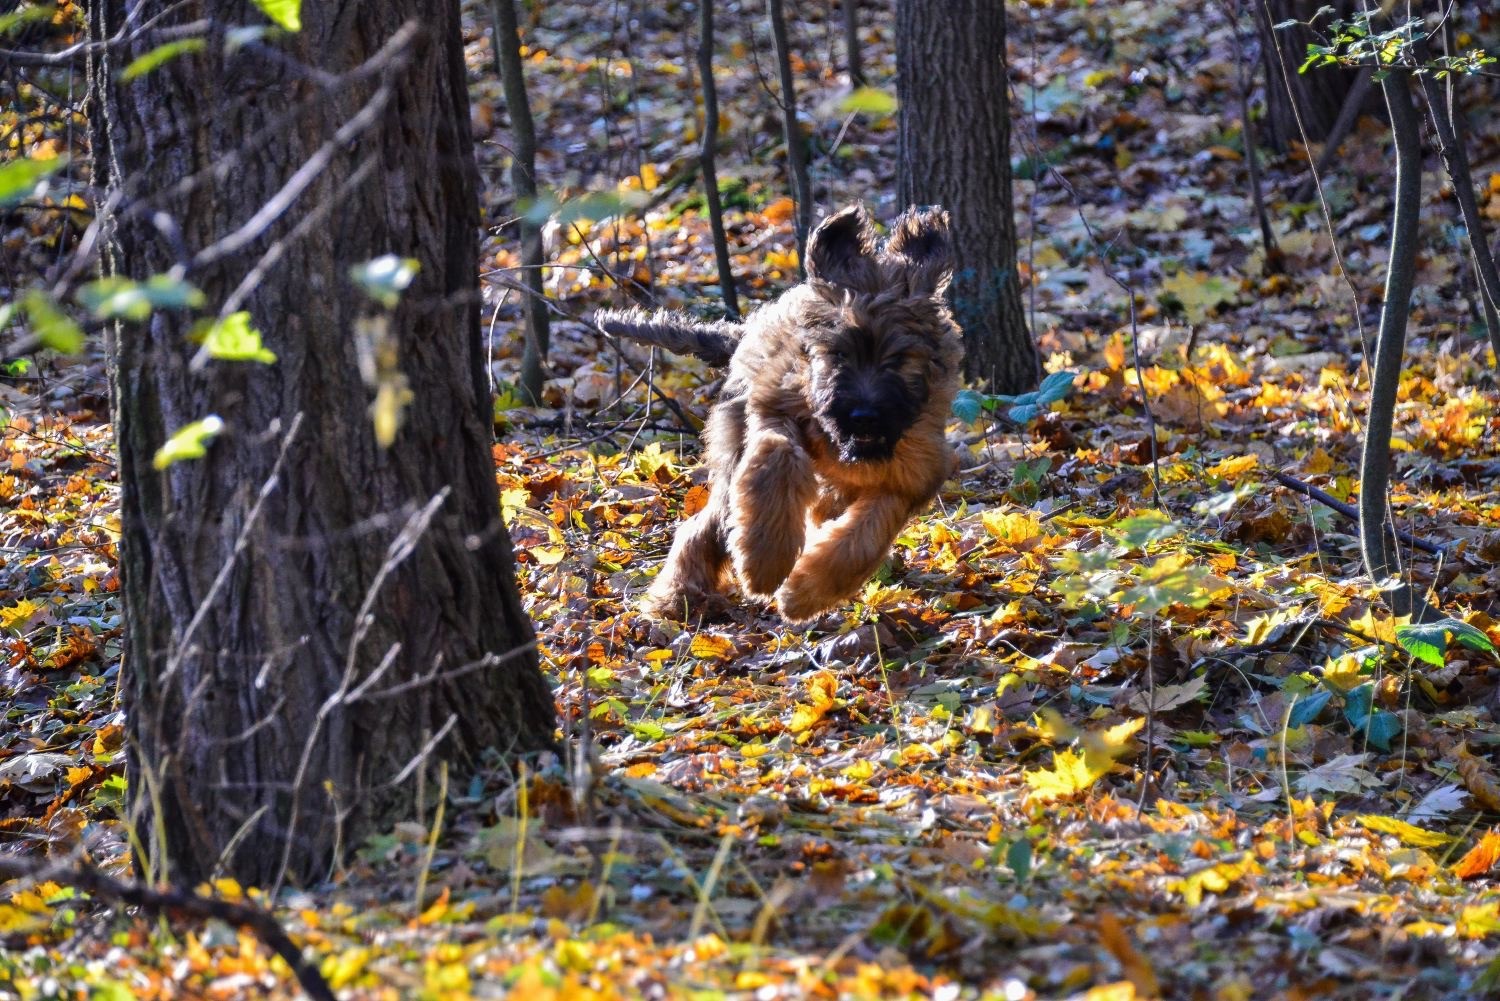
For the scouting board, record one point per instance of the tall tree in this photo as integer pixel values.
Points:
(313, 614)
(523, 182)
(955, 151)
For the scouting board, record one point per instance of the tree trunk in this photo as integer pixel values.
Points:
(509, 65)
(298, 641)
(955, 152)
(1320, 93)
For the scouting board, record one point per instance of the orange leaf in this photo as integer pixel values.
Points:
(1135, 966)
(1477, 779)
(1481, 858)
(711, 647)
(695, 500)
(779, 211)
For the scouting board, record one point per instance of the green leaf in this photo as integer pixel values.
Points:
(869, 101)
(546, 206)
(233, 339)
(1377, 725)
(54, 328)
(1055, 387)
(1306, 710)
(1018, 857)
(1146, 527)
(191, 442)
(20, 18)
(647, 730)
(159, 56)
(19, 178)
(1382, 729)
(967, 406)
(286, 13)
(1025, 413)
(386, 277)
(1428, 641)
(118, 297)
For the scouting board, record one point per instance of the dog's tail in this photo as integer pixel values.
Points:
(714, 342)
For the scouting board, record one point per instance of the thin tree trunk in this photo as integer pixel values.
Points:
(796, 147)
(1377, 544)
(309, 617)
(852, 53)
(1456, 161)
(954, 150)
(706, 155)
(523, 182)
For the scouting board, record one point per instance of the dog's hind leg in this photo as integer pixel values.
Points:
(773, 486)
(689, 582)
(848, 552)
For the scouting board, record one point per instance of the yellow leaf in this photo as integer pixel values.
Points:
(1232, 468)
(821, 689)
(437, 910)
(1011, 527)
(1069, 775)
(1214, 879)
(1318, 462)
(342, 970)
(548, 555)
(1409, 833)
(1114, 741)
(649, 177)
(710, 646)
(15, 616)
(783, 260)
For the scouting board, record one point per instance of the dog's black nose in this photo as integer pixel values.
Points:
(863, 414)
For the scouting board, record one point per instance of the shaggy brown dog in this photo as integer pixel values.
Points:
(829, 432)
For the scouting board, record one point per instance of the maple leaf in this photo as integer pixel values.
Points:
(1071, 773)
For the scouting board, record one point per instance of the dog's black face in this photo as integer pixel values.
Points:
(868, 386)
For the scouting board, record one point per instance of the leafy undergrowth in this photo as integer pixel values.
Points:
(1119, 718)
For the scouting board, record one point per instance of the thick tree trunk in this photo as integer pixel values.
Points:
(955, 152)
(297, 639)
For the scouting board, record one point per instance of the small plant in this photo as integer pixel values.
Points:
(1024, 408)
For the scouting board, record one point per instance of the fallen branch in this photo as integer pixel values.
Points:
(1351, 512)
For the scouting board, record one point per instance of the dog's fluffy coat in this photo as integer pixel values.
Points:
(828, 435)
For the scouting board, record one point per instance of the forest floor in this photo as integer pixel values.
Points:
(1121, 718)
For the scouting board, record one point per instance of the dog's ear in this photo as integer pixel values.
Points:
(841, 252)
(921, 250)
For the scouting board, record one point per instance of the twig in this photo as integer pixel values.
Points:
(257, 920)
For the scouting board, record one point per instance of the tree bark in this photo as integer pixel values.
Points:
(1320, 94)
(298, 641)
(954, 150)
(707, 154)
(523, 183)
(796, 144)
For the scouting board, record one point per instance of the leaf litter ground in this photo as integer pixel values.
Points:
(1116, 720)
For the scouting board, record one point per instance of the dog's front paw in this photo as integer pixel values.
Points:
(685, 606)
(802, 598)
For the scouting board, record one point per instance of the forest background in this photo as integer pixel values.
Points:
(1123, 717)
